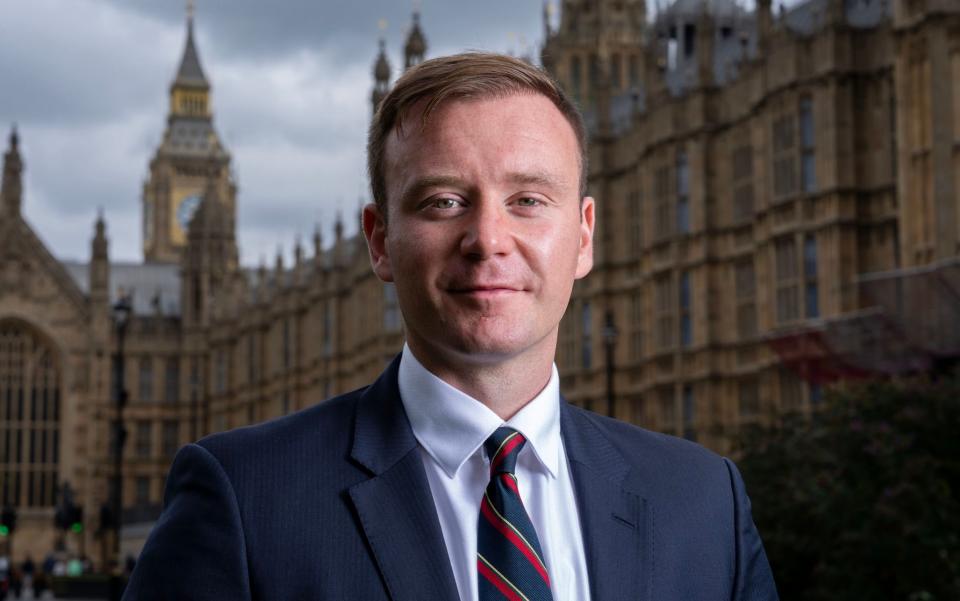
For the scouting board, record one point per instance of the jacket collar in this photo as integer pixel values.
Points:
(381, 432)
(615, 522)
(394, 506)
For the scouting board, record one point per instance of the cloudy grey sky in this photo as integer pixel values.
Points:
(86, 81)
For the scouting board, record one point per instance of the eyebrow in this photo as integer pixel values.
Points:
(525, 178)
(534, 178)
(431, 181)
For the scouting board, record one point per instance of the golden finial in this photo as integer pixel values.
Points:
(190, 9)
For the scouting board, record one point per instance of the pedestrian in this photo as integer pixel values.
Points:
(40, 584)
(28, 568)
(16, 583)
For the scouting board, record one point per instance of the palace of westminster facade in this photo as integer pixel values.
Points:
(748, 166)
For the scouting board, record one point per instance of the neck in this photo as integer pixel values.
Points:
(504, 384)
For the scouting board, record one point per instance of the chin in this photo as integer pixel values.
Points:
(491, 347)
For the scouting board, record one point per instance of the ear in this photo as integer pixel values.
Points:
(375, 230)
(585, 255)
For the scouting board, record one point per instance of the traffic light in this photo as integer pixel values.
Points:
(76, 519)
(8, 521)
(69, 516)
(60, 518)
(106, 518)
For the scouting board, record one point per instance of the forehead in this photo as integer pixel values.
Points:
(525, 129)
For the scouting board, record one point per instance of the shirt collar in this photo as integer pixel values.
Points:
(451, 425)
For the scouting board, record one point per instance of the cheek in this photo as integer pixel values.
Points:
(412, 251)
(555, 252)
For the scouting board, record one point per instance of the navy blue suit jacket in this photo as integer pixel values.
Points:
(333, 503)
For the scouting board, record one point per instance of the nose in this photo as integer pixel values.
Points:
(487, 232)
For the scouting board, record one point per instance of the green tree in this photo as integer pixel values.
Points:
(862, 500)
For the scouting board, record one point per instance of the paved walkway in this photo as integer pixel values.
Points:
(46, 596)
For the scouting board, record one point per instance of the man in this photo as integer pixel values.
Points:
(461, 473)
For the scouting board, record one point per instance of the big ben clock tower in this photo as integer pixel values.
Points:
(189, 155)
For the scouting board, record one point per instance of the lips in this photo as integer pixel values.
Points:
(483, 282)
(483, 288)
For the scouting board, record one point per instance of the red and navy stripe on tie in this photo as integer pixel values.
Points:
(509, 559)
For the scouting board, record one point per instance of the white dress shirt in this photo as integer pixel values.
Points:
(451, 427)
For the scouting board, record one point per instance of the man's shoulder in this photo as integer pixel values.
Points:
(639, 441)
(653, 456)
(317, 431)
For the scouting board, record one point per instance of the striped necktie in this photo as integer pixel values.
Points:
(509, 560)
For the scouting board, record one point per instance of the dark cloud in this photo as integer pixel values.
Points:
(258, 29)
(54, 72)
(87, 80)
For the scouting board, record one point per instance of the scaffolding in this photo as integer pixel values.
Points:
(911, 324)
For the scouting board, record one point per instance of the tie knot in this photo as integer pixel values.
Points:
(502, 448)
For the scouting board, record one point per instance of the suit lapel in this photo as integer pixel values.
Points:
(395, 507)
(616, 523)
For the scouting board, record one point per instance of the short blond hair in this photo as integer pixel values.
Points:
(466, 76)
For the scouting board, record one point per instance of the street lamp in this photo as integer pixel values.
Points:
(121, 319)
(610, 343)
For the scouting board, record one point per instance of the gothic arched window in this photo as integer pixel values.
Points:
(29, 417)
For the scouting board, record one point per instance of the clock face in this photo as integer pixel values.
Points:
(186, 209)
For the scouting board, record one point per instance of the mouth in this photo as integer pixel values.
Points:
(485, 290)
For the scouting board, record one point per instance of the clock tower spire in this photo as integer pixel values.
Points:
(181, 167)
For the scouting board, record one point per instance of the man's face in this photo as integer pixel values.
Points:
(486, 231)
